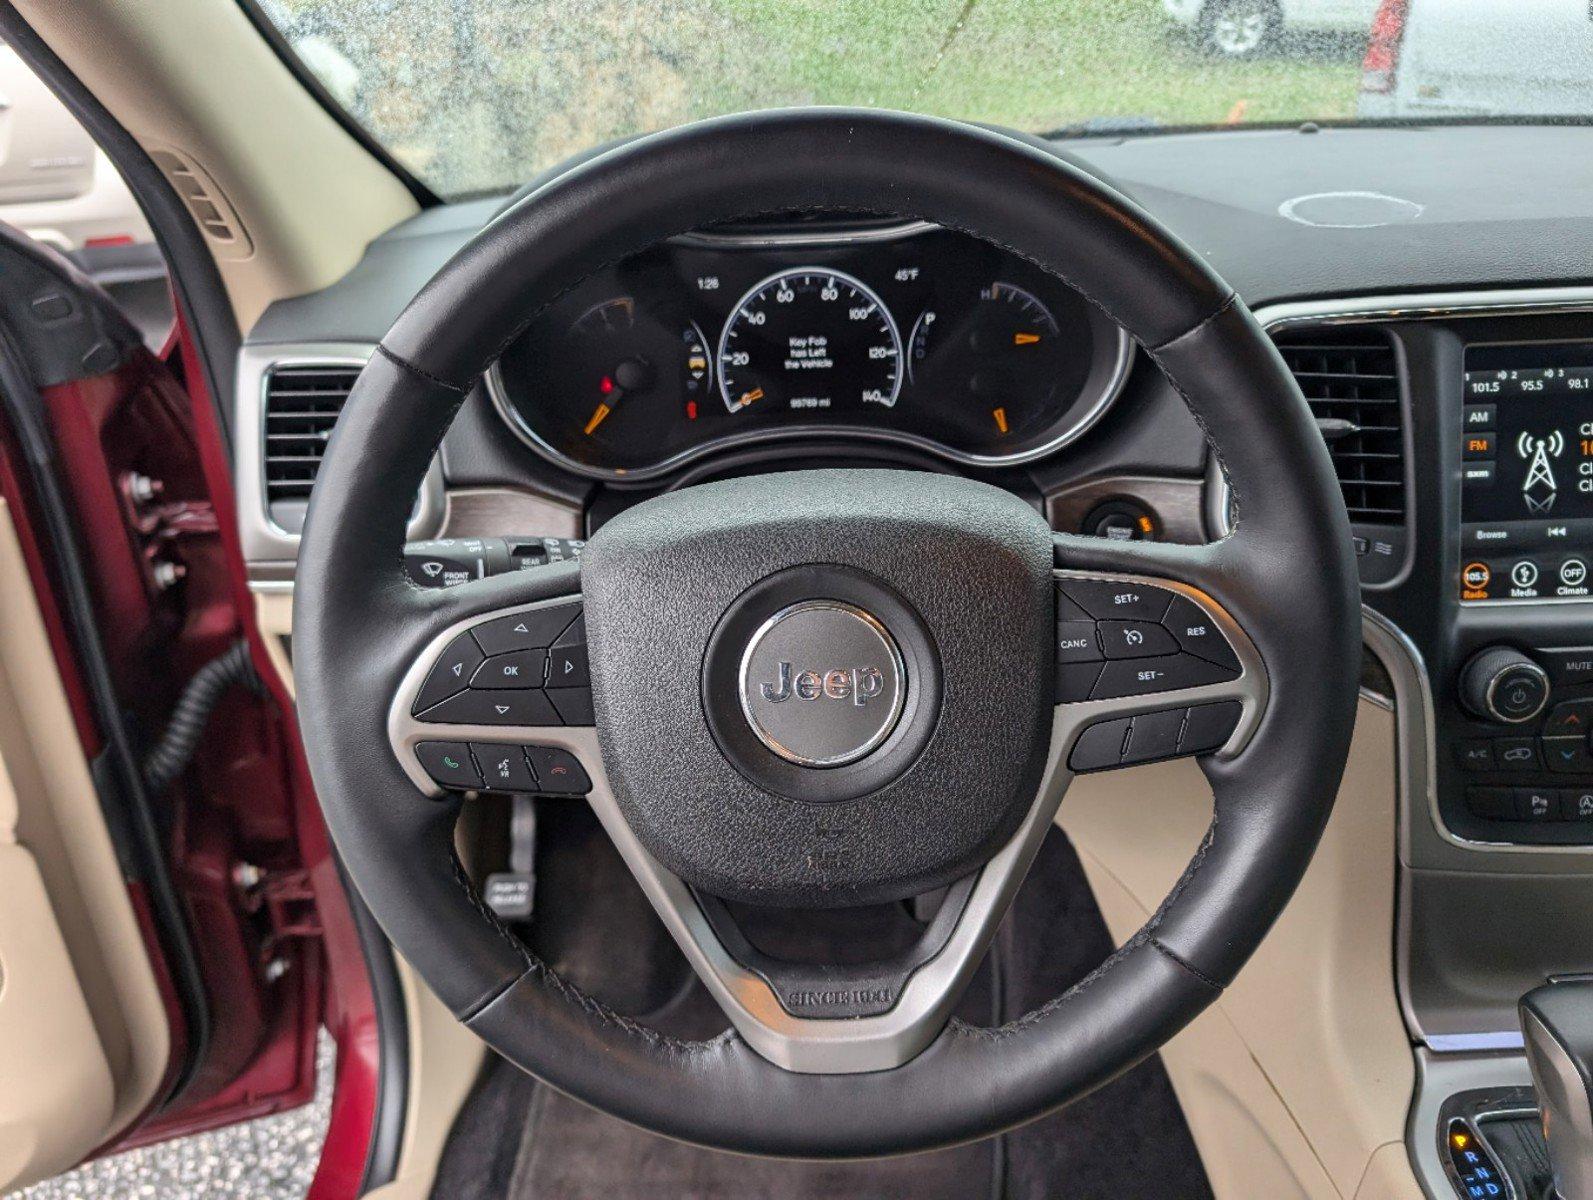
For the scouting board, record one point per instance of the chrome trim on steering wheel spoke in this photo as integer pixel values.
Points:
(926, 999)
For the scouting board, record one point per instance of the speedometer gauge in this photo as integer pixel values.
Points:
(810, 340)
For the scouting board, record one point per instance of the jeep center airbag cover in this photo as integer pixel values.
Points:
(956, 575)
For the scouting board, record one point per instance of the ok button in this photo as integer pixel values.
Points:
(521, 669)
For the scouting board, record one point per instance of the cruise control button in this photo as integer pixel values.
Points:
(1569, 718)
(1075, 681)
(1140, 676)
(1516, 754)
(1134, 639)
(1075, 642)
(1154, 735)
(536, 629)
(493, 708)
(1209, 726)
(449, 763)
(558, 771)
(574, 705)
(451, 673)
(1537, 804)
(1567, 755)
(504, 768)
(1198, 634)
(519, 669)
(1115, 600)
(1099, 746)
(567, 667)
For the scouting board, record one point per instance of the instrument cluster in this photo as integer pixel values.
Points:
(904, 333)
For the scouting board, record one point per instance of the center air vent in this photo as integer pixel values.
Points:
(301, 406)
(1351, 380)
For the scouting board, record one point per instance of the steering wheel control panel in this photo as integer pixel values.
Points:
(1117, 639)
(528, 668)
(1527, 764)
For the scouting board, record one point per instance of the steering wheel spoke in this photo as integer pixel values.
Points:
(816, 1019)
(1151, 667)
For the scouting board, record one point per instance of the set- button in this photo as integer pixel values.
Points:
(527, 668)
(487, 766)
(1116, 639)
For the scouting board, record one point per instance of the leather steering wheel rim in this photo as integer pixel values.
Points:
(1286, 575)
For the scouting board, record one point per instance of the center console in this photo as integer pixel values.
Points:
(1481, 644)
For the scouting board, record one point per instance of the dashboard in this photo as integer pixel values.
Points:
(919, 347)
(874, 331)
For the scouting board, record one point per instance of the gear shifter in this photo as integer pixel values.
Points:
(1557, 1025)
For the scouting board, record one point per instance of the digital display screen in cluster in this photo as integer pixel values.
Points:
(1527, 472)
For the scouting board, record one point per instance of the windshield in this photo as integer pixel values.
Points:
(478, 96)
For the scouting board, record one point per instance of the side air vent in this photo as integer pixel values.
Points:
(1351, 380)
(301, 406)
(208, 204)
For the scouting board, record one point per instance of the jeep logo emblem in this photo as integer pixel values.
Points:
(861, 684)
(843, 671)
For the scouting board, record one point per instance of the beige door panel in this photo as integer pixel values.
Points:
(1301, 1076)
(82, 935)
(56, 1091)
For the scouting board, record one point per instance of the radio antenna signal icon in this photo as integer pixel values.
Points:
(1539, 489)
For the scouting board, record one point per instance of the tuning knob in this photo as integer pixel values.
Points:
(1501, 684)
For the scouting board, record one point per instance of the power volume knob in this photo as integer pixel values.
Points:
(1501, 684)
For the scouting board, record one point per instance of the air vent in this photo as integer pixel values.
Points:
(1351, 380)
(301, 406)
(206, 201)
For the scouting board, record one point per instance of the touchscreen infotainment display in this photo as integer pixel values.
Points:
(1527, 472)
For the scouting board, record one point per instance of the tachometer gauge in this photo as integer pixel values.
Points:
(634, 371)
(810, 340)
(998, 359)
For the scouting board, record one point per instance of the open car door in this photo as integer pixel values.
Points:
(173, 931)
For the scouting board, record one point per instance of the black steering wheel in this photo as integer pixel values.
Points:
(829, 688)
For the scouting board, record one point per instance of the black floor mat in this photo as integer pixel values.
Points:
(517, 1140)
